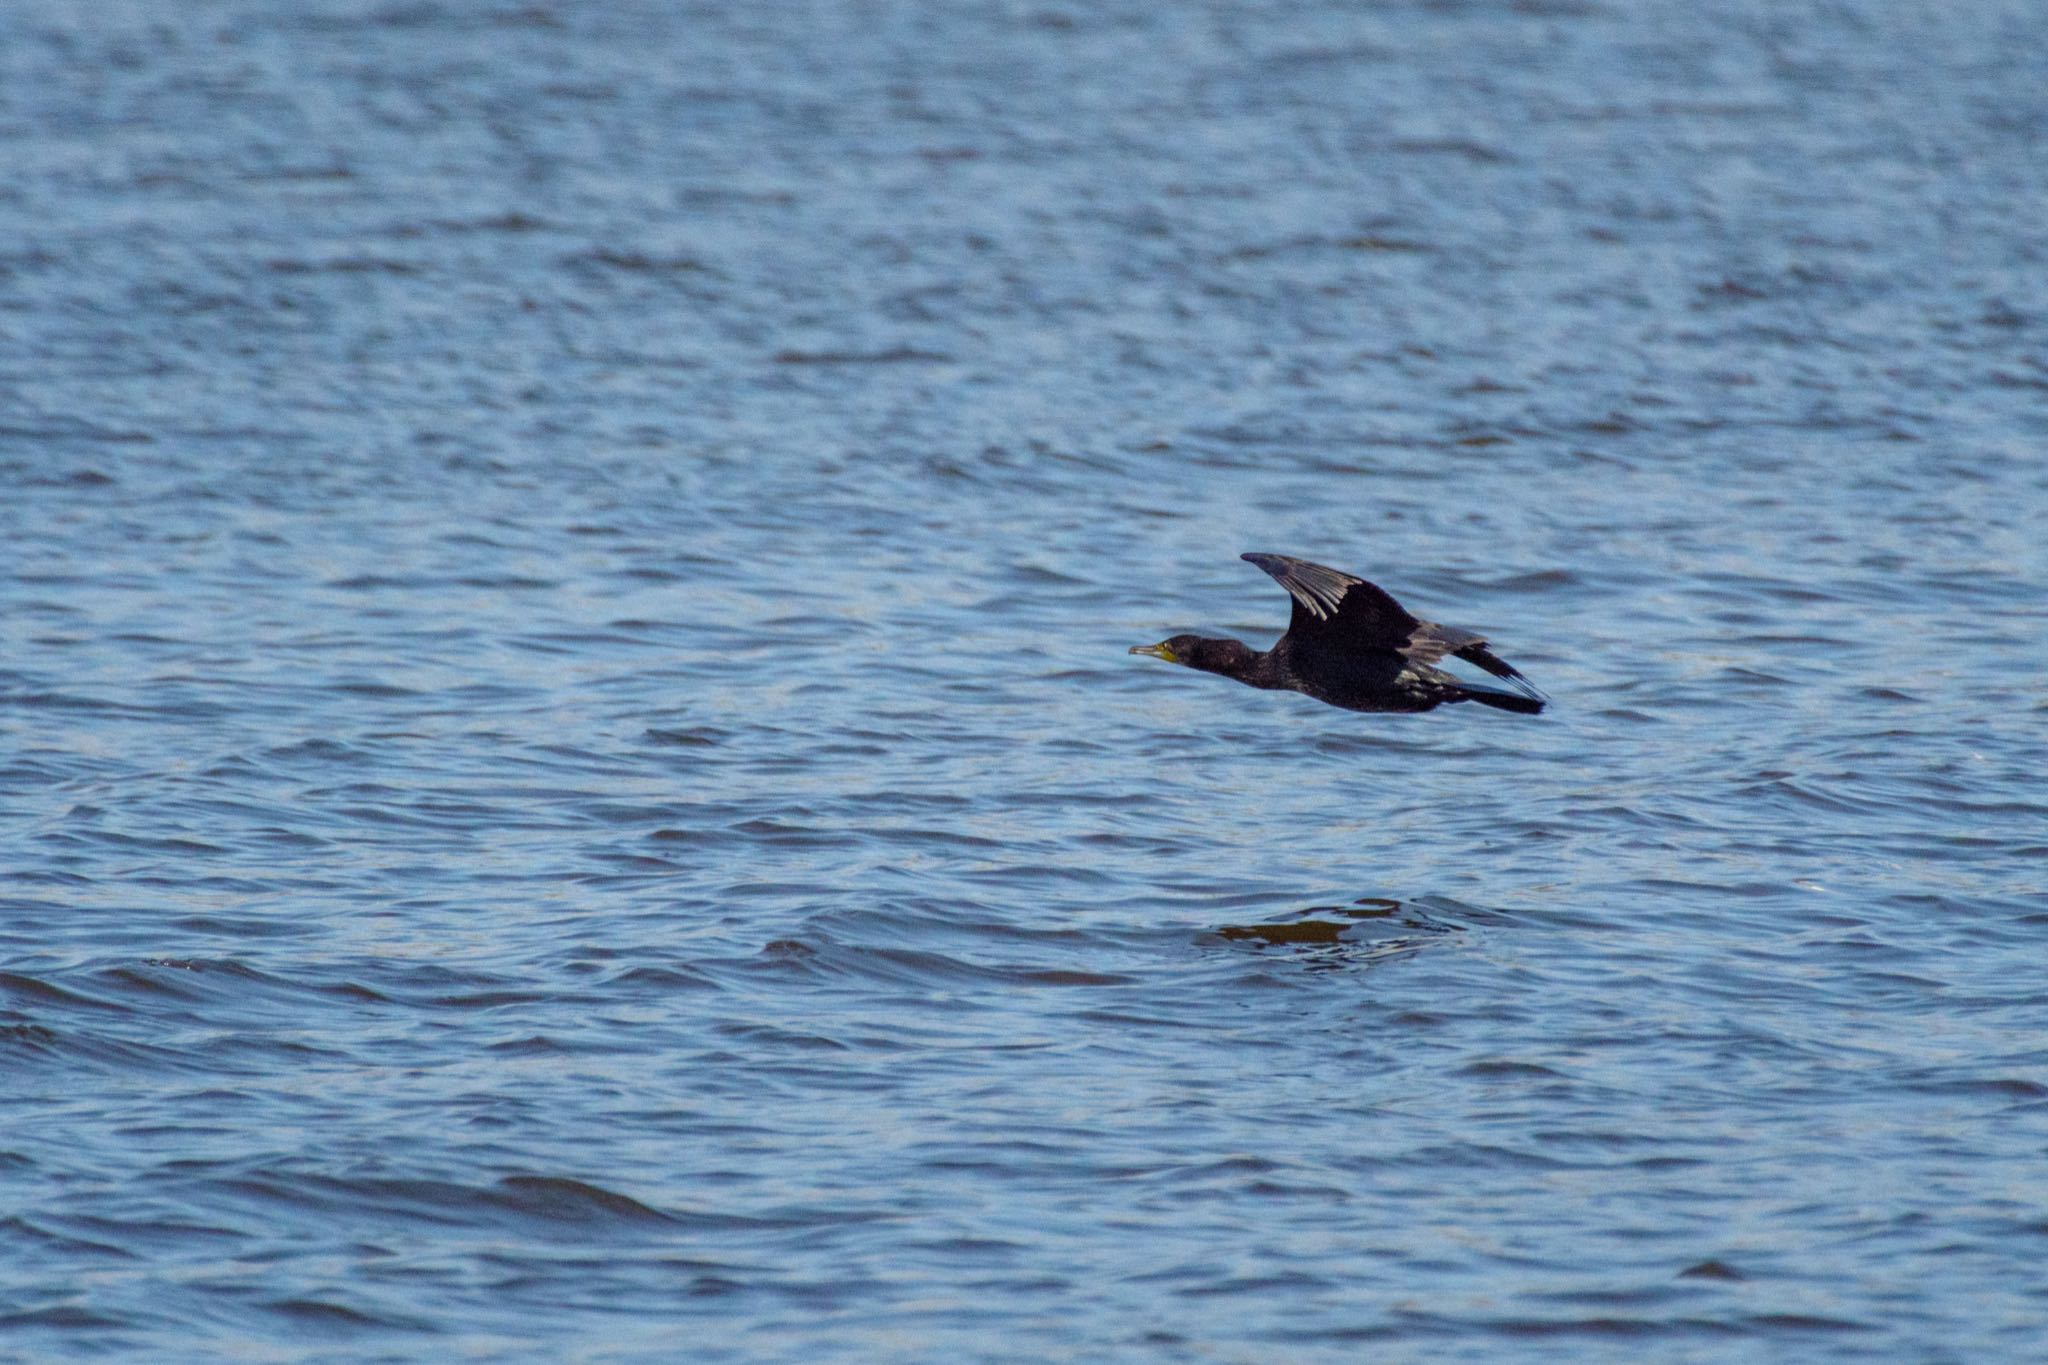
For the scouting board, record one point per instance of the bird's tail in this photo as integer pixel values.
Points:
(1505, 701)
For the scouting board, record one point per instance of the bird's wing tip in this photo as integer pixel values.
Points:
(1513, 678)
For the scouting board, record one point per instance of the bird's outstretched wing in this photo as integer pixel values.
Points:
(1432, 642)
(1343, 610)
(1338, 607)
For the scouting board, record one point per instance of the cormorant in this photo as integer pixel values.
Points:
(1351, 645)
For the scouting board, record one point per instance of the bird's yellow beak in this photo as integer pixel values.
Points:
(1158, 651)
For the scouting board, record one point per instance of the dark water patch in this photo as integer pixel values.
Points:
(689, 836)
(610, 813)
(789, 834)
(327, 1317)
(637, 261)
(1368, 930)
(662, 979)
(64, 701)
(62, 1243)
(120, 980)
(825, 960)
(1504, 1068)
(243, 927)
(783, 1039)
(68, 1316)
(364, 687)
(1805, 1323)
(510, 1202)
(28, 991)
(85, 1050)
(2000, 1088)
(894, 355)
(484, 1000)
(1610, 1328)
(27, 1037)
(559, 1199)
(931, 839)
(345, 265)
(689, 737)
(74, 429)
(1143, 1023)
(1712, 1270)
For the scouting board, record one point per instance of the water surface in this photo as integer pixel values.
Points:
(571, 785)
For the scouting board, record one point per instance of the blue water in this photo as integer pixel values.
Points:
(570, 785)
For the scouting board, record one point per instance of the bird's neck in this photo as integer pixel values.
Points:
(1236, 659)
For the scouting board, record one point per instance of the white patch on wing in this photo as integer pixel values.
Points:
(1319, 589)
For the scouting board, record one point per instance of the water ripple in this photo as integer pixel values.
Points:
(574, 781)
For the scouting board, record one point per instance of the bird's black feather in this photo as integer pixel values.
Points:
(1352, 645)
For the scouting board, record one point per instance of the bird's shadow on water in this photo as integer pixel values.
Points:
(1370, 930)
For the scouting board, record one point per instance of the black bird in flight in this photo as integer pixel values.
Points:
(1351, 645)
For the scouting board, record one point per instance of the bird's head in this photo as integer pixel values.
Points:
(1192, 651)
(1181, 649)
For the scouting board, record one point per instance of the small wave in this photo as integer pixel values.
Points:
(69, 1316)
(560, 1199)
(40, 992)
(328, 1316)
(1368, 930)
